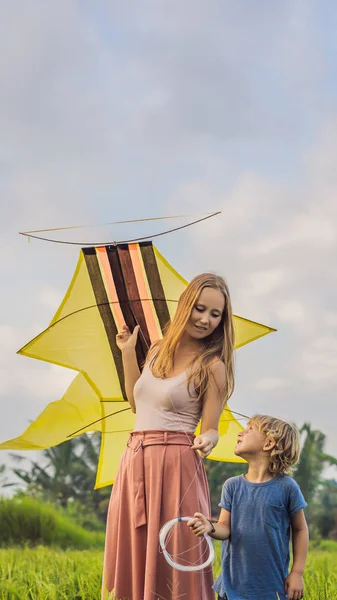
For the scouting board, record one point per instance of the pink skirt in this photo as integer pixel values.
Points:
(159, 478)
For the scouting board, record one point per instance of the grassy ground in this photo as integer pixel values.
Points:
(51, 574)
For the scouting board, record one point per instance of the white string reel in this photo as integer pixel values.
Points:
(163, 535)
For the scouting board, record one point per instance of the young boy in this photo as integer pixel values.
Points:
(258, 511)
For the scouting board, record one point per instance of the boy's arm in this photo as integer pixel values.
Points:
(222, 528)
(294, 585)
(300, 540)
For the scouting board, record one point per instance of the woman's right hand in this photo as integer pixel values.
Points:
(126, 340)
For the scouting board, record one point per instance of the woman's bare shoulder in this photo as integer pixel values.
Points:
(218, 370)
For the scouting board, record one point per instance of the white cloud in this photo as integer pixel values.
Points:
(264, 282)
(270, 384)
(11, 340)
(5, 383)
(304, 229)
(292, 312)
(50, 297)
(21, 376)
(48, 383)
(331, 319)
(319, 362)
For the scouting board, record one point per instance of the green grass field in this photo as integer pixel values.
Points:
(50, 574)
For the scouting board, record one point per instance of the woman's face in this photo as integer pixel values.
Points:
(206, 313)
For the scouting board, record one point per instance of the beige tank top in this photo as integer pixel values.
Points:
(165, 403)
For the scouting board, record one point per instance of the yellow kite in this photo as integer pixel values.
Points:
(112, 286)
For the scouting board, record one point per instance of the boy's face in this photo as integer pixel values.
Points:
(250, 441)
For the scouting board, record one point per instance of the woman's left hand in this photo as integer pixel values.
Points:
(203, 444)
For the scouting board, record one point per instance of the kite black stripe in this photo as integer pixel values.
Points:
(155, 284)
(105, 311)
(127, 307)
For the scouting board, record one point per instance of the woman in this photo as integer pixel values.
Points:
(188, 375)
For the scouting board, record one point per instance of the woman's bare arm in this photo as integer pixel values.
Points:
(131, 374)
(212, 408)
(126, 342)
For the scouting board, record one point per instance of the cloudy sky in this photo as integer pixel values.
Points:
(131, 109)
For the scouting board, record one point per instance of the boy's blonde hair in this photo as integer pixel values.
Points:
(286, 452)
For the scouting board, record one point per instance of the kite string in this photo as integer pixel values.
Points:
(169, 535)
(182, 425)
(187, 434)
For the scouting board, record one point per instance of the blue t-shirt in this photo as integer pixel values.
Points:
(255, 559)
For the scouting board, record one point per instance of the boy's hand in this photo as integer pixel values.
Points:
(199, 525)
(294, 586)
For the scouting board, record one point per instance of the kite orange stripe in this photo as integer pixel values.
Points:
(104, 264)
(139, 272)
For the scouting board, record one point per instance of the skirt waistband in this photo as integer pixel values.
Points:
(139, 440)
(159, 438)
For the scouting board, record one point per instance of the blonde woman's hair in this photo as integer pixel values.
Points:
(217, 346)
(286, 452)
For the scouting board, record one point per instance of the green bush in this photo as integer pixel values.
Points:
(24, 521)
